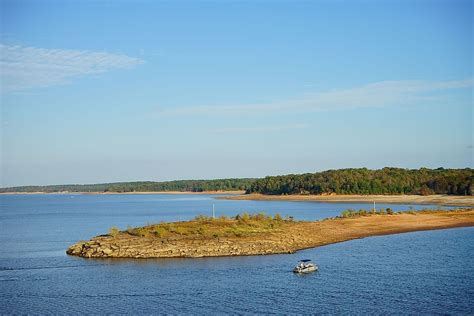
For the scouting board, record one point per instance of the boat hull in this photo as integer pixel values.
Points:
(305, 269)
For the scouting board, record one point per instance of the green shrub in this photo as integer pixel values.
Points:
(260, 216)
(349, 213)
(114, 231)
(245, 217)
(202, 218)
(139, 231)
(160, 232)
(345, 213)
(180, 230)
(201, 231)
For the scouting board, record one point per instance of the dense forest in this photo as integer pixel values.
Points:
(146, 186)
(364, 181)
(343, 181)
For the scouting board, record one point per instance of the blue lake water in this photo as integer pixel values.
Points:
(421, 272)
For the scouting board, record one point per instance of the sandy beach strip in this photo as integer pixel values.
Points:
(127, 193)
(447, 200)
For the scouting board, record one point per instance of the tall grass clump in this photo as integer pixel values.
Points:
(348, 213)
(114, 231)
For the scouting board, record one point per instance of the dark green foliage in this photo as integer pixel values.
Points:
(364, 181)
(344, 181)
(148, 186)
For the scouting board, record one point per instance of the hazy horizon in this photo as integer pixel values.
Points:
(100, 92)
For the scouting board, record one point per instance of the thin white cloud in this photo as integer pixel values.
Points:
(30, 67)
(260, 129)
(379, 94)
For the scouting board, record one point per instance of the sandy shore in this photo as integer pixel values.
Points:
(170, 192)
(286, 238)
(127, 193)
(448, 200)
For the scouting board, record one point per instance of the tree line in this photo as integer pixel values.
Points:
(343, 181)
(143, 186)
(364, 181)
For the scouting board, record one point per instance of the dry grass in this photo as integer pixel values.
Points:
(248, 225)
(205, 227)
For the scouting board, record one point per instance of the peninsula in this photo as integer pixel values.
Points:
(259, 234)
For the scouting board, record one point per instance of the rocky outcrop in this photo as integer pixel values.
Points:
(299, 235)
(127, 246)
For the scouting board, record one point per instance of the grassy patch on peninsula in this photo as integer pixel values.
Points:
(207, 227)
(388, 211)
(244, 225)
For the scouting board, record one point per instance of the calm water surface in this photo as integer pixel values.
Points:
(422, 272)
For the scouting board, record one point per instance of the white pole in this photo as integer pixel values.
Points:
(374, 206)
(213, 212)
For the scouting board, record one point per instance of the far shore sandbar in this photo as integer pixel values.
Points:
(129, 193)
(447, 200)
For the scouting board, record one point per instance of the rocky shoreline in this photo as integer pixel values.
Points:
(287, 238)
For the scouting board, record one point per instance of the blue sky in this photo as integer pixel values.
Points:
(104, 91)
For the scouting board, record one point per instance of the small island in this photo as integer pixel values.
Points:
(260, 234)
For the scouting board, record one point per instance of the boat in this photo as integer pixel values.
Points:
(305, 266)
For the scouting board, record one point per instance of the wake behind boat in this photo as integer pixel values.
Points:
(305, 266)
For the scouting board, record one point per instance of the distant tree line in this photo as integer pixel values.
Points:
(343, 181)
(364, 181)
(145, 186)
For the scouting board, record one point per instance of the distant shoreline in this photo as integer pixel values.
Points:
(447, 200)
(122, 193)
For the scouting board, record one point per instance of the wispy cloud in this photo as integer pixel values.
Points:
(260, 129)
(30, 67)
(379, 94)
